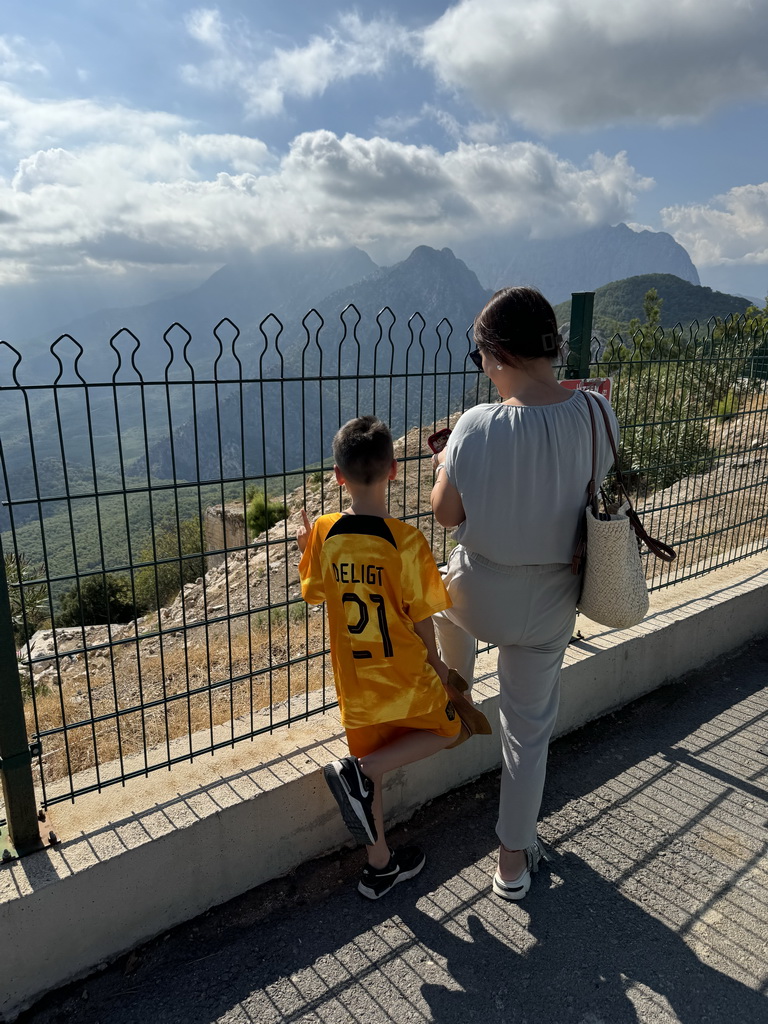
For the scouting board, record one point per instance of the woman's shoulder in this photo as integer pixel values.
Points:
(477, 414)
(473, 423)
(601, 400)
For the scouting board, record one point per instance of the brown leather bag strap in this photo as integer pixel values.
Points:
(592, 486)
(655, 546)
(612, 443)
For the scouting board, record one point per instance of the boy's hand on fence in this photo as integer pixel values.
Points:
(303, 532)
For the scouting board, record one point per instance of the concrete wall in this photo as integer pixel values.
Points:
(135, 861)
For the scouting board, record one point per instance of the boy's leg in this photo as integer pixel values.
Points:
(415, 745)
(356, 783)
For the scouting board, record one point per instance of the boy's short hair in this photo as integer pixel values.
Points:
(363, 450)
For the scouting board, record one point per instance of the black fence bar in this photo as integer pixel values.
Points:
(148, 518)
(580, 336)
(15, 753)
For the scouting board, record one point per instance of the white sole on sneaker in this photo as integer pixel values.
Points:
(515, 890)
(512, 890)
(401, 876)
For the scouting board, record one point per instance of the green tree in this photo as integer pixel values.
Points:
(652, 308)
(29, 600)
(261, 513)
(648, 336)
(97, 599)
(666, 404)
(177, 559)
(755, 324)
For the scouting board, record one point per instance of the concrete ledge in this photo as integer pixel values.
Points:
(133, 862)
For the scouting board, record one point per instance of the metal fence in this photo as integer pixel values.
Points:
(160, 502)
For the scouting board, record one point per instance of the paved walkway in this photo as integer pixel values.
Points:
(653, 909)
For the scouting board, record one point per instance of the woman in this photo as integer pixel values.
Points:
(513, 479)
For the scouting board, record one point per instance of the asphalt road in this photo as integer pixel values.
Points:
(654, 908)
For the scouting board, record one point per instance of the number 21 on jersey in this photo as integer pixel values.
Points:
(363, 618)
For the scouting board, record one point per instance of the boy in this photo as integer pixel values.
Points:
(381, 587)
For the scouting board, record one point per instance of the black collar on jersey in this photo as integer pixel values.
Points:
(371, 526)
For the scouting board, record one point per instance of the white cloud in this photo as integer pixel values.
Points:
(205, 25)
(17, 59)
(398, 124)
(27, 124)
(731, 228)
(242, 64)
(147, 189)
(556, 65)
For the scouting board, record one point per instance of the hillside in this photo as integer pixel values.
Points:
(620, 301)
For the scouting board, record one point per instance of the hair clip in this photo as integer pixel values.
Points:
(551, 343)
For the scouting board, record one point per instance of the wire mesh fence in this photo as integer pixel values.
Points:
(148, 520)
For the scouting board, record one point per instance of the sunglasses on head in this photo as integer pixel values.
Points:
(477, 358)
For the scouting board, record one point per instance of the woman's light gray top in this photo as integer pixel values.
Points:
(522, 472)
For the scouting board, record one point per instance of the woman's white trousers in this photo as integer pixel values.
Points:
(529, 613)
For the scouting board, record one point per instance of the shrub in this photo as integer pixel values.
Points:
(29, 601)
(727, 407)
(95, 600)
(298, 612)
(669, 439)
(261, 513)
(158, 584)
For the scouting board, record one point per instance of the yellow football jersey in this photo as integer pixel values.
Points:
(377, 577)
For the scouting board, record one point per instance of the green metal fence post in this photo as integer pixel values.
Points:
(15, 754)
(580, 337)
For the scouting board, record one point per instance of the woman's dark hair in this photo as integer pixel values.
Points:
(517, 323)
(363, 450)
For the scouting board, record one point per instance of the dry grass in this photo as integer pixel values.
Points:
(118, 688)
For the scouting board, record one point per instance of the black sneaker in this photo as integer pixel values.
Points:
(404, 863)
(353, 792)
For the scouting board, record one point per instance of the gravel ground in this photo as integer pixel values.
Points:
(653, 909)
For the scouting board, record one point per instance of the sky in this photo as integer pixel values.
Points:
(146, 143)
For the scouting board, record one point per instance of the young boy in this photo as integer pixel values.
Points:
(381, 586)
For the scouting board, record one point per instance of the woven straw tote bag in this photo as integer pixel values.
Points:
(614, 592)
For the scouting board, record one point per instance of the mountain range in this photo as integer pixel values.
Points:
(290, 282)
(185, 429)
(578, 263)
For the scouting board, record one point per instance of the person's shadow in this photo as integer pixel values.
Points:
(594, 957)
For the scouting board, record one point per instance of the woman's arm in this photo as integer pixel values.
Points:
(446, 500)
